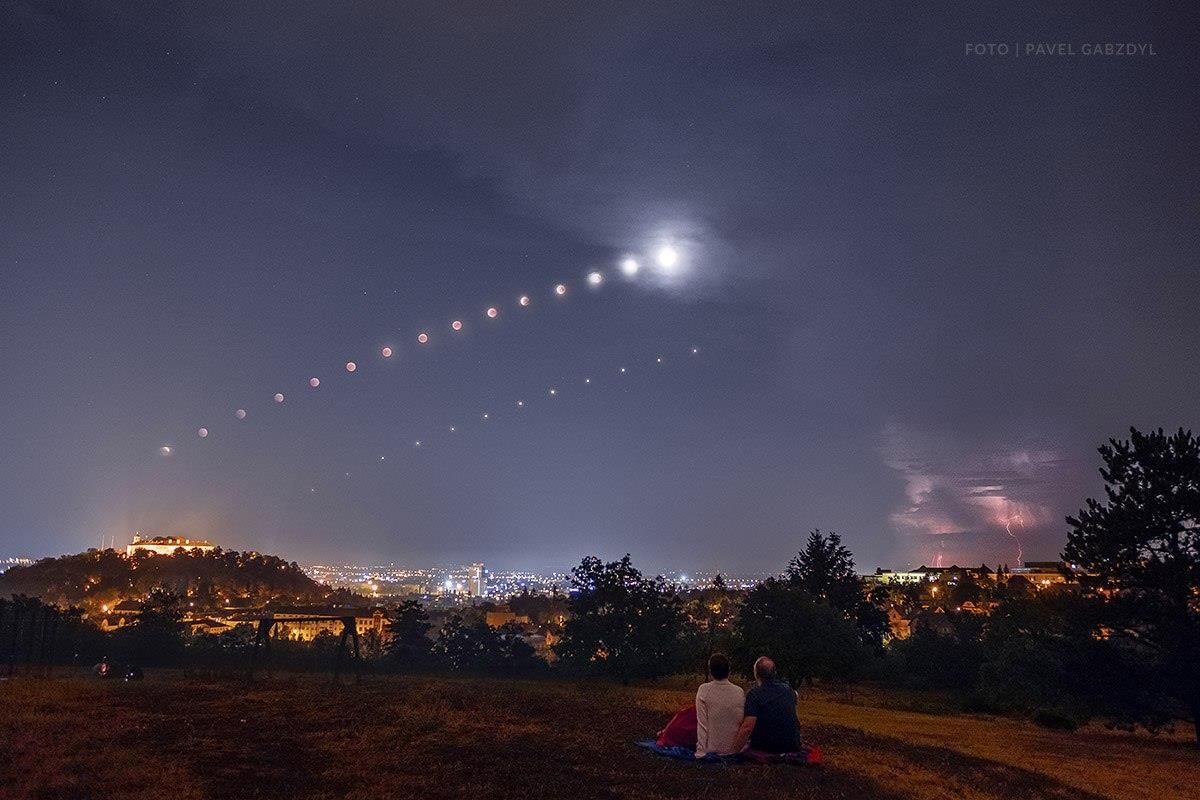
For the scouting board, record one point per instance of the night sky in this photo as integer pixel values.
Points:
(922, 285)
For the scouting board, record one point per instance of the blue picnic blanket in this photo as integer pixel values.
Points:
(686, 753)
(807, 755)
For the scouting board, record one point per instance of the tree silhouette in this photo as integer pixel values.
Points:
(824, 570)
(1143, 542)
(409, 644)
(156, 637)
(621, 622)
(807, 638)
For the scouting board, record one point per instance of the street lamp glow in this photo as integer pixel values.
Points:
(630, 267)
(595, 279)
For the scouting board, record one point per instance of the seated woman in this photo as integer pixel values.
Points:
(719, 706)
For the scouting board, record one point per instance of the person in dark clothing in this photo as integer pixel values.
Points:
(769, 724)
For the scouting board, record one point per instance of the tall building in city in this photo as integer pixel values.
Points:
(476, 581)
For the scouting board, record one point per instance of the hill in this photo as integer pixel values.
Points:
(209, 579)
(415, 736)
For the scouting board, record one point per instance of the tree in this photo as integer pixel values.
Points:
(806, 638)
(1045, 654)
(965, 590)
(156, 637)
(1143, 543)
(408, 629)
(931, 658)
(372, 645)
(465, 646)
(478, 647)
(621, 622)
(824, 569)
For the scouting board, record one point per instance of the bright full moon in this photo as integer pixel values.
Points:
(666, 256)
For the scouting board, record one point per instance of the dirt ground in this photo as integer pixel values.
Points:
(179, 737)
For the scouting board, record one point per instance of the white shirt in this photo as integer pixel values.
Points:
(719, 706)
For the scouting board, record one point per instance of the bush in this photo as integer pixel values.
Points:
(1055, 719)
(935, 660)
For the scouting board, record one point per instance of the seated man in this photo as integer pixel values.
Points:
(718, 710)
(769, 724)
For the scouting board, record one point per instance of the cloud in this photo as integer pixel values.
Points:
(967, 502)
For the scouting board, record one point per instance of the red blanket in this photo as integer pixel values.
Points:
(680, 731)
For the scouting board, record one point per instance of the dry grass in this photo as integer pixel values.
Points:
(293, 737)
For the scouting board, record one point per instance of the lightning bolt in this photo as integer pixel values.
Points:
(1008, 529)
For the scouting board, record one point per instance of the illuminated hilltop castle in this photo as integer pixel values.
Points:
(165, 545)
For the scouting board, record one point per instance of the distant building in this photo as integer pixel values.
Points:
(365, 619)
(126, 608)
(1044, 573)
(898, 623)
(206, 625)
(476, 580)
(6, 563)
(502, 616)
(165, 545)
(887, 577)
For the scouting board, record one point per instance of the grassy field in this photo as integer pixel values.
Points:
(178, 737)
